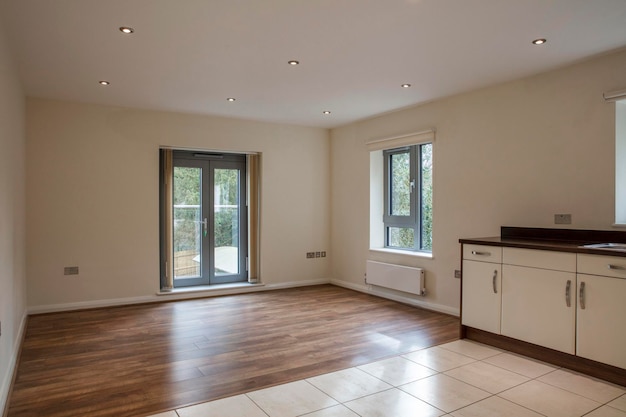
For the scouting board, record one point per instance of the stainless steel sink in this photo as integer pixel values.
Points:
(608, 246)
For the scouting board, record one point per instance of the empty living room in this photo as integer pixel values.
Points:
(329, 208)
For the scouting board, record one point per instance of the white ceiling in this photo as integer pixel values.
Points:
(190, 55)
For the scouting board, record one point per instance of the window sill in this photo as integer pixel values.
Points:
(425, 255)
(208, 288)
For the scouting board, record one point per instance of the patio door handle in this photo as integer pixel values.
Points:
(205, 225)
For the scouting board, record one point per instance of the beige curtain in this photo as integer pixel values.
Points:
(168, 202)
(253, 163)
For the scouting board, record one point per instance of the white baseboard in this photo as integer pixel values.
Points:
(294, 284)
(183, 294)
(186, 294)
(8, 377)
(379, 292)
(82, 305)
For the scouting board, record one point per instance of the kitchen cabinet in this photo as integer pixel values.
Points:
(561, 297)
(482, 283)
(538, 297)
(601, 309)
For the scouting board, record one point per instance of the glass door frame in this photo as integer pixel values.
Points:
(208, 163)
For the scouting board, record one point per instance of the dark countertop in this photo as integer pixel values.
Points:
(561, 240)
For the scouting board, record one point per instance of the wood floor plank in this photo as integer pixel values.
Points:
(143, 359)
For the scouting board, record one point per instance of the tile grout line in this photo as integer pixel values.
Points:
(254, 402)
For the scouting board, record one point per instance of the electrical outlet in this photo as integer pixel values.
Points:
(323, 254)
(70, 270)
(318, 254)
(562, 219)
(457, 273)
(310, 255)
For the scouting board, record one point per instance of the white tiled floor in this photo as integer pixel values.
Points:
(461, 378)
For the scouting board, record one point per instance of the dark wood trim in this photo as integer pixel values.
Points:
(560, 240)
(567, 235)
(576, 363)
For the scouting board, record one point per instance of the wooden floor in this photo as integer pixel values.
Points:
(140, 360)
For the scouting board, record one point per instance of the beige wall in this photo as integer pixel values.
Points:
(93, 194)
(512, 154)
(12, 273)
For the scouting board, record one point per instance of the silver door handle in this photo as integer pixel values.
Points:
(616, 267)
(479, 253)
(205, 225)
(568, 287)
(493, 281)
(581, 296)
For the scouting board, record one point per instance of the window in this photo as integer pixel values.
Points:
(401, 193)
(408, 199)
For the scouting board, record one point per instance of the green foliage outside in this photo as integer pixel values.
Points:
(226, 218)
(187, 220)
(427, 197)
(187, 227)
(403, 237)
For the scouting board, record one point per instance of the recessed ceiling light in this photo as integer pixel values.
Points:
(406, 85)
(230, 99)
(104, 82)
(127, 30)
(539, 41)
(326, 112)
(293, 62)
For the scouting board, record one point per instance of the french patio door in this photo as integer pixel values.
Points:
(209, 219)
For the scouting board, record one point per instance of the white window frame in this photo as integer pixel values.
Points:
(378, 228)
(620, 163)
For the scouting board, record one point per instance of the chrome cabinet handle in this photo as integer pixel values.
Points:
(568, 287)
(479, 253)
(493, 281)
(581, 296)
(615, 267)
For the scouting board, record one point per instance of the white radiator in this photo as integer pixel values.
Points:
(397, 277)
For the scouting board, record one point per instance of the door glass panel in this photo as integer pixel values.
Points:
(226, 211)
(188, 226)
(400, 184)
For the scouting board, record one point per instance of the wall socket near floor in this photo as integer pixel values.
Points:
(319, 254)
(562, 219)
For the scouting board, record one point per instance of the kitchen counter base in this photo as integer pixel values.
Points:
(575, 363)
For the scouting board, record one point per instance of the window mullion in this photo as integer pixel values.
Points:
(415, 199)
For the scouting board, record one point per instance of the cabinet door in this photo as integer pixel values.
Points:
(482, 295)
(601, 319)
(536, 308)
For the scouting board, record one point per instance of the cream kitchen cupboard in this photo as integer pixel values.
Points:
(601, 310)
(482, 283)
(561, 295)
(538, 297)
